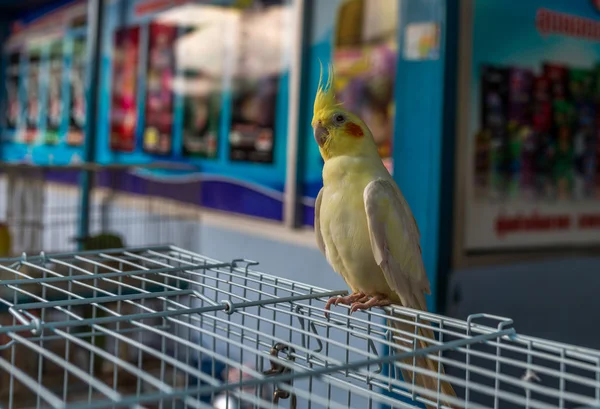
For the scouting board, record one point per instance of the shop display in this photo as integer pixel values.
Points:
(75, 135)
(256, 85)
(159, 89)
(33, 98)
(54, 108)
(193, 75)
(43, 49)
(492, 139)
(534, 135)
(201, 114)
(536, 128)
(170, 84)
(252, 132)
(123, 112)
(12, 104)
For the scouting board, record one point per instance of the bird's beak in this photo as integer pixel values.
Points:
(321, 133)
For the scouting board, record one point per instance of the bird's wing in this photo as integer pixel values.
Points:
(394, 236)
(320, 241)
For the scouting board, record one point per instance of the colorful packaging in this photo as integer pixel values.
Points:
(563, 165)
(528, 155)
(252, 134)
(564, 114)
(590, 163)
(55, 105)
(558, 76)
(12, 107)
(520, 96)
(75, 135)
(124, 89)
(201, 118)
(159, 89)
(499, 165)
(545, 157)
(513, 159)
(542, 100)
(581, 83)
(586, 115)
(483, 163)
(494, 116)
(579, 146)
(583, 143)
(33, 98)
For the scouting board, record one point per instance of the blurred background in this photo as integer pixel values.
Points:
(142, 122)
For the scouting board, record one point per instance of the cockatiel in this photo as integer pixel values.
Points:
(365, 228)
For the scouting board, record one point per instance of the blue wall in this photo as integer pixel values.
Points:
(419, 125)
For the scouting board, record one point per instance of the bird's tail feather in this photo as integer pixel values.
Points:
(425, 381)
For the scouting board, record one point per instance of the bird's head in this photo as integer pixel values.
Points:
(337, 131)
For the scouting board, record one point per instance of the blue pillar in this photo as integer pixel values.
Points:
(424, 138)
(418, 134)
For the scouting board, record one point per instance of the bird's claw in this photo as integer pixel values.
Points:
(376, 301)
(347, 300)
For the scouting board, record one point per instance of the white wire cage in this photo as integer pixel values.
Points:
(163, 327)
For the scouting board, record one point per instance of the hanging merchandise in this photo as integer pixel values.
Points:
(45, 65)
(201, 117)
(77, 93)
(200, 121)
(256, 85)
(33, 97)
(158, 138)
(201, 60)
(55, 110)
(252, 134)
(12, 104)
(124, 119)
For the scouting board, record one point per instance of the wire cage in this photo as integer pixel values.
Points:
(163, 327)
(42, 208)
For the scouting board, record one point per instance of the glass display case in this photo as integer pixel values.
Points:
(203, 83)
(44, 90)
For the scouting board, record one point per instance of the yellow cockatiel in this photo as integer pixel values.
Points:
(365, 228)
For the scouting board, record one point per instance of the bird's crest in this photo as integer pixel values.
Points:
(325, 97)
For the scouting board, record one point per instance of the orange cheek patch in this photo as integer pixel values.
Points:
(354, 130)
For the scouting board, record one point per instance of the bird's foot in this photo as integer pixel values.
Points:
(376, 301)
(347, 300)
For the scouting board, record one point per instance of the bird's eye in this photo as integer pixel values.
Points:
(339, 118)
